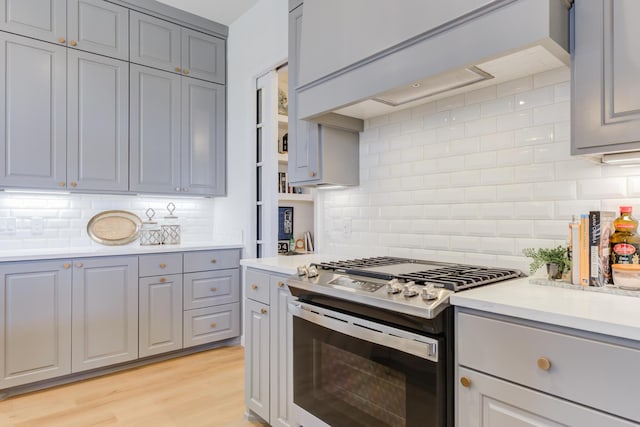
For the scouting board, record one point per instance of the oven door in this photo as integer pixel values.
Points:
(350, 372)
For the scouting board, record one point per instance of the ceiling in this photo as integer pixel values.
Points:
(221, 11)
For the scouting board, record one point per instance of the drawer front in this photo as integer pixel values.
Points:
(593, 373)
(160, 264)
(256, 286)
(205, 325)
(209, 288)
(211, 260)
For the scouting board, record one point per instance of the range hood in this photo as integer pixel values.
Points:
(482, 43)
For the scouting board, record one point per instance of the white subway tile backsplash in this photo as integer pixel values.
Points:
(535, 98)
(559, 112)
(515, 156)
(481, 127)
(535, 173)
(497, 141)
(508, 182)
(497, 106)
(515, 86)
(517, 120)
(604, 188)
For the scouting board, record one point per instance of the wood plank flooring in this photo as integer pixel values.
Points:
(200, 390)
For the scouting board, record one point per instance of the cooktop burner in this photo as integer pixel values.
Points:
(450, 276)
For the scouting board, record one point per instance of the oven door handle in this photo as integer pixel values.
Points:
(397, 339)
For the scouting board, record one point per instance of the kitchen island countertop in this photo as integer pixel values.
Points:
(608, 314)
(97, 251)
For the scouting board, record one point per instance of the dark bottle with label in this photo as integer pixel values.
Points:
(625, 241)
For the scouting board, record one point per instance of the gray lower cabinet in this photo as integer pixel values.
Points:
(98, 123)
(605, 98)
(268, 383)
(171, 47)
(513, 372)
(35, 321)
(34, 91)
(98, 26)
(160, 315)
(105, 311)
(40, 19)
(257, 337)
(177, 134)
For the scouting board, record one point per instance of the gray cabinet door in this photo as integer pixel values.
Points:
(99, 27)
(491, 402)
(40, 19)
(606, 90)
(155, 130)
(98, 122)
(105, 311)
(203, 137)
(33, 113)
(281, 366)
(203, 56)
(160, 317)
(154, 42)
(304, 137)
(35, 325)
(257, 336)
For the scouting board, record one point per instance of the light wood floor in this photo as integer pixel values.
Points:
(203, 389)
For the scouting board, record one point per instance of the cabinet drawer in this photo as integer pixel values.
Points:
(256, 286)
(205, 325)
(594, 373)
(160, 264)
(210, 288)
(211, 260)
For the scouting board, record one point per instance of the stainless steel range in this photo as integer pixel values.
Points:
(373, 340)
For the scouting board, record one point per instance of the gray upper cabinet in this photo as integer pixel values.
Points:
(155, 42)
(170, 47)
(323, 152)
(98, 123)
(605, 98)
(40, 19)
(203, 137)
(35, 325)
(33, 76)
(203, 56)
(177, 134)
(155, 130)
(99, 27)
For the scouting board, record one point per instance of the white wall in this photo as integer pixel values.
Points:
(472, 178)
(257, 42)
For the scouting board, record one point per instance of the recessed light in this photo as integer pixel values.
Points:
(416, 85)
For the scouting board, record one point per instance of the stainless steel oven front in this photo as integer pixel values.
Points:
(350, 371)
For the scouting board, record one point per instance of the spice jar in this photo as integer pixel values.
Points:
(170, 227)
(150, 234)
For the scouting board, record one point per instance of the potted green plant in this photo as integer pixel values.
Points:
(555, 259)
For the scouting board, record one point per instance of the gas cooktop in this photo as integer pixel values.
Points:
(411, 286)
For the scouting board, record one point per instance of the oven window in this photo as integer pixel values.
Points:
(346, 381)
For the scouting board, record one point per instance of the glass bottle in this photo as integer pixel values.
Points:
(170, 227)
(150, 234)
(625, 241)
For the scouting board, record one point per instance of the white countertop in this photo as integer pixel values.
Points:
(286, 264)
(609, 314)
(94, 251)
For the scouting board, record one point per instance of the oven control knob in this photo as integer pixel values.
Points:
(428, 293)
(312, 271)
(410, 289)
(302, 271)
(394, 287)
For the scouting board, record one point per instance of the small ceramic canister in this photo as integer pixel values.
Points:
(170, 227)
(150, 234)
